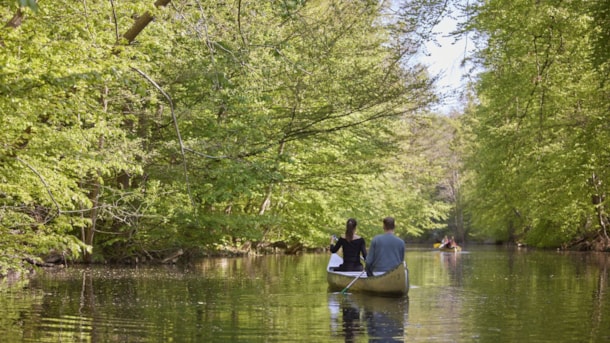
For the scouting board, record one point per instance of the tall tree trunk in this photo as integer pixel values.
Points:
(267, 202)
(458, 216)
(94, 196)
(599, 200)
(89, 232)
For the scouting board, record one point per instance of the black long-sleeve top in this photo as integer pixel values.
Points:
(351, 252)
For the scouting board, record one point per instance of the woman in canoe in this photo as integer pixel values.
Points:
(353, 246)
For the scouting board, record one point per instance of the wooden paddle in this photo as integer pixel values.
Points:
(351, 283)
(436, 245)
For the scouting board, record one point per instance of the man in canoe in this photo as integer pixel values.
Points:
(352, 244)
(386, 250)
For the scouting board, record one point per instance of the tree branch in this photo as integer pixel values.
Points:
(43, 182)
(17, 19)
(142, 21)
(171, 106)
(116, 22)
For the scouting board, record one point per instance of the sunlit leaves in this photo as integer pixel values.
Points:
(537, 126)
(64, 131)
(287, 113)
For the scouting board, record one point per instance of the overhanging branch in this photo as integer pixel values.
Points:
(182, 148)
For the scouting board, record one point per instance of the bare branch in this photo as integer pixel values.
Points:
(116, 22)
(43, 182)
(171, 106)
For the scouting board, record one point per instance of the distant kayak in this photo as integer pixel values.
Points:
(455, 248)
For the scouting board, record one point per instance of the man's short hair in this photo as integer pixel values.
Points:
(388, 223)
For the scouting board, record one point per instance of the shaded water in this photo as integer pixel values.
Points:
(484, 294)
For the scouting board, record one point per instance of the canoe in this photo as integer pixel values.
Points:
(456, 248)
(394, 282)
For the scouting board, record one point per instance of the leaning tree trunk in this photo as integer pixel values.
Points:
(16, 20)
(142, 22)
(14, 23)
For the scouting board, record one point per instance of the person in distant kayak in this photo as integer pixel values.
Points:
(451, 243)
(386, 251)
(444, 242)
(353, 246)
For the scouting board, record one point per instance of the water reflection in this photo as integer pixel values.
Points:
(381, 319)
(486, 295)
(450, 263)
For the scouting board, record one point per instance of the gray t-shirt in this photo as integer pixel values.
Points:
(385, 253)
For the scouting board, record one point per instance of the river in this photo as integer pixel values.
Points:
(483, 294)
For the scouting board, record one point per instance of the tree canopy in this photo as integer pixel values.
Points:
(539, 127)
(132, 129)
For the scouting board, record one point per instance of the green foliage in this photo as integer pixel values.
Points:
(63, 131)
(538, 158)
(216, 126)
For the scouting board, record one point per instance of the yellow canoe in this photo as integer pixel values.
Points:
(394, 282)
(456, 248)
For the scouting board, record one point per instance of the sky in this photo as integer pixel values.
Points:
(444, 58)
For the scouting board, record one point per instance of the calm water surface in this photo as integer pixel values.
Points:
(484, 294)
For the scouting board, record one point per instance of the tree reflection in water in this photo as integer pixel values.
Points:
(381, 319)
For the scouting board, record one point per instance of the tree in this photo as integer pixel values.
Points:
(538, 124)
(208, 127)
(65, 139)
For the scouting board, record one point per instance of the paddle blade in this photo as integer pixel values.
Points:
(436, 245)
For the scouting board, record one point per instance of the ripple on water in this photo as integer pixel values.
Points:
(82, 328)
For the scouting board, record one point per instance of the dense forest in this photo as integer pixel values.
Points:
(538, 131)
(138, 130)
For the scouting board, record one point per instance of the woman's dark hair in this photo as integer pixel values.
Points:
(350, 227)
